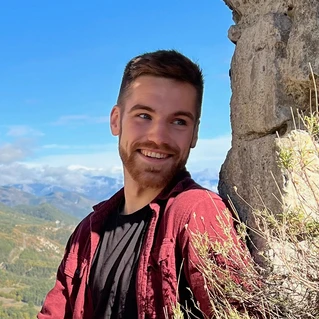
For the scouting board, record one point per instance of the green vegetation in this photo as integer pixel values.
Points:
(47, 212)
(24, 312)
(30, 251)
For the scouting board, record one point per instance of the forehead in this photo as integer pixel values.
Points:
(161, 93)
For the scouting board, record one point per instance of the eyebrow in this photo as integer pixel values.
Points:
(141, 107)
(151, 110)
(184, 113)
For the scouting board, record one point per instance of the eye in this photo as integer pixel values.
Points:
(179, 122)
(144, 116)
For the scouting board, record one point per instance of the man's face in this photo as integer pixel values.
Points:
(157, 127)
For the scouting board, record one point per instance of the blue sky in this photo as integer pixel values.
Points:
(61, 65)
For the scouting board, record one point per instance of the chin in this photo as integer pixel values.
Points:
(151, 181)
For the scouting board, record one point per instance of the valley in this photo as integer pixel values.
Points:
(30, 251)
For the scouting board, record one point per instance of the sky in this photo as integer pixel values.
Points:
(61, 65)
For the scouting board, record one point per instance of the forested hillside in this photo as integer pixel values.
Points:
(75, 204)
(30, 251)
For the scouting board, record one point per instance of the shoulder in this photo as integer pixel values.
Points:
(81, 232)
(195, 196)
(204, 211)
(195, 200)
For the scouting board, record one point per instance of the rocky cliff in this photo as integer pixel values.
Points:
(275, 40)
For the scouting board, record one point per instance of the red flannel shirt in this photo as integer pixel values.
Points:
(185, 208)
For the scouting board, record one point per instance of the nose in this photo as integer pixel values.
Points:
(158, 133)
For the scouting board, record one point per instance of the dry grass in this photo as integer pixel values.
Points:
(287, 286)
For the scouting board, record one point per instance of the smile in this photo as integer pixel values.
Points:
(154, 154)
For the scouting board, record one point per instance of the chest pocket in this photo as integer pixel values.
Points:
(162, 253)
(75, 266)
(162, 263)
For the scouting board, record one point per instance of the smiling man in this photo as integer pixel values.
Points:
(133, 256)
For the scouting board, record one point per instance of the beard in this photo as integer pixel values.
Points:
(152, 176)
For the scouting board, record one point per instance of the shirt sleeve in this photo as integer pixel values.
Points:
(214, 257)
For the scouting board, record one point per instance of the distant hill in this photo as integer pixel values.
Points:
(76, 202)
(47, 212)
(71, 203)
(12, 196)
(30, 251)
(96, 188)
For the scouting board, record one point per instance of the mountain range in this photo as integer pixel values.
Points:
(74, 201)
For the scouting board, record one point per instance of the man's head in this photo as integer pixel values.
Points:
(168, 64)
(157, 116)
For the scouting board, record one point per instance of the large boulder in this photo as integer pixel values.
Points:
(276, 40)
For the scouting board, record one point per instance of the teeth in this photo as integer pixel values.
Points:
(153, 154)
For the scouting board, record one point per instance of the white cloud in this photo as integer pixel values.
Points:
(207, 149)
(84, 168)
(22, 173)
(23, 130)
(97, 160)
(80, 119)
(89, 157)
(16, 151)
(73, 169)
(209, 154)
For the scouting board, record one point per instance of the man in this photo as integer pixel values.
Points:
(133, 256)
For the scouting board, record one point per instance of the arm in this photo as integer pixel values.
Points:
(215, 259)
(67, 298)
(57, 304)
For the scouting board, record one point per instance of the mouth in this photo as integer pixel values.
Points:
(155, 155)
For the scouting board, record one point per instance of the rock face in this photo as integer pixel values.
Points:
(275, 42)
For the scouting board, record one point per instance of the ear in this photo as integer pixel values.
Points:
(115, 120)
(195, 135)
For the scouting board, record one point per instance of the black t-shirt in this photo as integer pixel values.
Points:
(113, 272)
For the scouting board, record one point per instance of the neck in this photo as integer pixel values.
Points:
(136, 197)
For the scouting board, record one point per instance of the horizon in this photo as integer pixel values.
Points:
(62, 66)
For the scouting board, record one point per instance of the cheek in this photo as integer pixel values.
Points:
(183, 148)
(129, 136)
(184, 140)
(132, 129)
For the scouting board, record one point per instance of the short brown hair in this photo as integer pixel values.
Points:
(164, 63)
